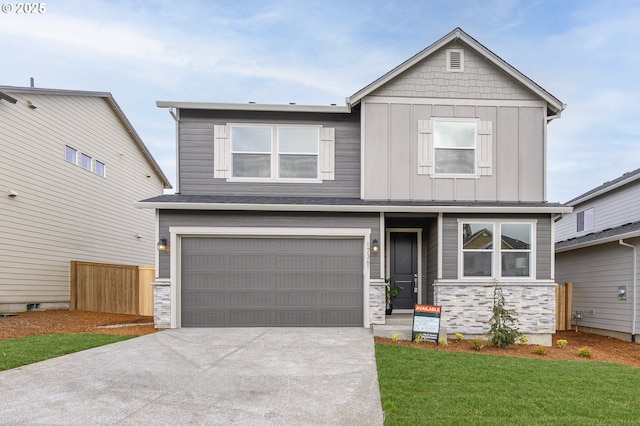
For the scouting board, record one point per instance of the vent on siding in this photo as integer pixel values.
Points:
(455, 60)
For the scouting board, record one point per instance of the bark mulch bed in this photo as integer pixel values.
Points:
(64, 321)
(604, 349)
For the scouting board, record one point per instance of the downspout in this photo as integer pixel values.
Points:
(635, 287)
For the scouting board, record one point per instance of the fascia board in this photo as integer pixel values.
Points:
(350, 208)
(254, 107)
(597, 242)
(581, 200)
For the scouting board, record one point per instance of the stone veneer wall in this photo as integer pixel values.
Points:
(162, 303)
(377, 302)
(466, 307)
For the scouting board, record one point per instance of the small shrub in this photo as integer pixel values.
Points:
(585, 352)
(561, 343)
(443, 341)
(459, 336)
(395, 337)
(501, 332)
(476, 344)
(523, 339)
(540, 350)
(419, 338)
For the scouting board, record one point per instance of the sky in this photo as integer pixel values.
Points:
(585, 53)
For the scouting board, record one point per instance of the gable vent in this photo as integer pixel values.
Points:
(455, 60)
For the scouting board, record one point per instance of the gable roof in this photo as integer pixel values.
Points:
(114, 105)
(625, 179)
(555, 106)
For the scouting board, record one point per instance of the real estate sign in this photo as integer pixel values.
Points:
(426, 322)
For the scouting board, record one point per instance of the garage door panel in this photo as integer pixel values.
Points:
(271, 282)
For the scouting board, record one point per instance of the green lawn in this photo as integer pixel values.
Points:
(423, 386)
(26, 350)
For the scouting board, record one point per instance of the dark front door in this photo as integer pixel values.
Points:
(404, 268)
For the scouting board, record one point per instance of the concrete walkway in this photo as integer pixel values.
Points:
(215, 376)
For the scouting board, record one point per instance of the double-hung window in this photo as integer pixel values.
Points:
(460, 147)
(455, 147)
(495, 249)
(584, 220)
(273, 152)
(251, 148)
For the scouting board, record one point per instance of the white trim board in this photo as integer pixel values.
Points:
(178, 232)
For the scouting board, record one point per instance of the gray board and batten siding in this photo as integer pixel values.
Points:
(169, 218)
(596, 273)
(196, 152)
(544, 245)
(391, 116)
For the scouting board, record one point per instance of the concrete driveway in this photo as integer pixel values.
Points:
(257, 376)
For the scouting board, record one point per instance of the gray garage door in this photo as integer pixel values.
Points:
(271, 282)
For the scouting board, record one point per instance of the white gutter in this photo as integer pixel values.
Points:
(350, 208)
(253, 107)
(635, 287)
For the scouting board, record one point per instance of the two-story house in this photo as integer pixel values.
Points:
(597, 251)
(71, 169)
(291, 215)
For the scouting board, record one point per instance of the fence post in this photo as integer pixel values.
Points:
(567, 307)
(73, 282)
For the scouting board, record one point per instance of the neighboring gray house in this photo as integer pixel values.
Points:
(71, 169)
(597, 250)
(294, 215)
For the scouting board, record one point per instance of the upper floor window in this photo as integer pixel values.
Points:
(455, 147)
(85, 162)
(279, 152)
(71, 155)
(275, 153)
(100, 168)
(585, 220)
(496, 249)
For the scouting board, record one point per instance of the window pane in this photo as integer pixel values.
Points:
(252, 165)
(86, 162)
(99, 168)
(454, 134)
(515, 264)
(298, 140)
(477, 264)
(455, 161)
(588, 219)
(71, 155)
(477, 236)
(299, 166)
(251, 139)
(516, 236)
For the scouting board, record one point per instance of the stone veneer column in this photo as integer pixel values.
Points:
(376, 301)
(162, 303)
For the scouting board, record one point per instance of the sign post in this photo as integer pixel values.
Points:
(426, 322)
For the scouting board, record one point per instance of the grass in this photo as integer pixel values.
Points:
(26, 350)
(422, 386)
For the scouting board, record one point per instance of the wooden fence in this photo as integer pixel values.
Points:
(563, 306)
(120, 289)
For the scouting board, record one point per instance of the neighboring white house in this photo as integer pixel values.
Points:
(71, 168)
(597, 250)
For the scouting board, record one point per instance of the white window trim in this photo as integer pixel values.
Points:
(82, 155)
(496, 265)
(104, 168)
(586, 213)
(75, 152)
(275, 153)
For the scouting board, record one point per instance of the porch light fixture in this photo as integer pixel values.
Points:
(375, 246)
(163, 245)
